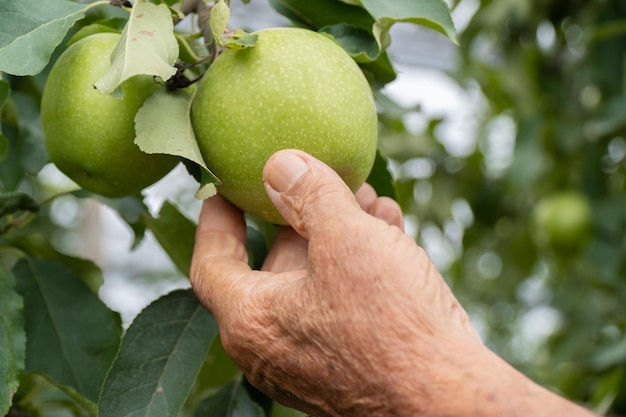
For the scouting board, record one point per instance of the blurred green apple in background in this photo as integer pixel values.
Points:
(562, 220)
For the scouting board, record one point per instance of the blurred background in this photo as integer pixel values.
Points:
(509, 154)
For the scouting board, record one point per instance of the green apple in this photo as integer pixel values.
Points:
(295, 89)
(562, 220)
(90, 135)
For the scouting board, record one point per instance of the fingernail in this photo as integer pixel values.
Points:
(284, 170)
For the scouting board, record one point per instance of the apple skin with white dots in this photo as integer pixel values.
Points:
(295, 89)
(90, 135)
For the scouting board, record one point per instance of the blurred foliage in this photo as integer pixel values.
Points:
(550, 118)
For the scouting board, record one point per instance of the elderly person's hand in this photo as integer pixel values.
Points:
(348, 316)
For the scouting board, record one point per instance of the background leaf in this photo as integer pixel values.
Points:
(27, 151)
(159, 358)
(352, 27)
(14, 201)
(315, 15)
(175, 233)
(38, 397)
(72, 336)
(38, 246)
(359, 43)
(216, 371)
(4, 148)
(27, 39)
(231, 401)
(111, 25)
(12, 339)
(5, 91)
(381, 179)
(147, 47)
(218, 19)
(279, 410)
(433, 14)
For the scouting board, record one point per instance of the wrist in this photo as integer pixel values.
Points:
(471, 381)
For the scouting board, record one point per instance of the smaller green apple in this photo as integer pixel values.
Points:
(90, 135)
(562, 220)
(295, 89)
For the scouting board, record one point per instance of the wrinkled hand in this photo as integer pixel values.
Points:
(346, 308)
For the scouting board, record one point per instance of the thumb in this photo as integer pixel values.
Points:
(306, 191)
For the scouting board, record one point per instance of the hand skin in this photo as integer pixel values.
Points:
(348, 316)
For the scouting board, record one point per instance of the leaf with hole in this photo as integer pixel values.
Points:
(163, 125)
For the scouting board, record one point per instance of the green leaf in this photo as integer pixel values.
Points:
(4, 148)
(16, 210)
(38, 396)
(239, 39)
(217, 370)
(71, 336)
(163, 125)
(110, 25)
(26, 152)
(30, 148)
(380, 72)
(279, 410)
(218, 20)
(12, 339)
(219, 367)
(285, 11)
(380, 178)
(5, 91)
(147, 47)
(170, 2)
(31, 30)
(188, 50)
(433, 14)
(609, 357)
(11, 171)
(257, 246)
(38, 246)
(359, 43)
(320, 13)
(231, 401)
(352, 27)
(175, 233)
(12, 202)
(159, 358)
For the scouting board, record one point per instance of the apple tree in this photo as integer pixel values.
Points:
(526, 219)
(64, 351)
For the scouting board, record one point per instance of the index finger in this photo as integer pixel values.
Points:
(219, 257)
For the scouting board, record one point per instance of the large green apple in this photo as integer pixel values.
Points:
(562, 220)
(295, 89)
(90, 135)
